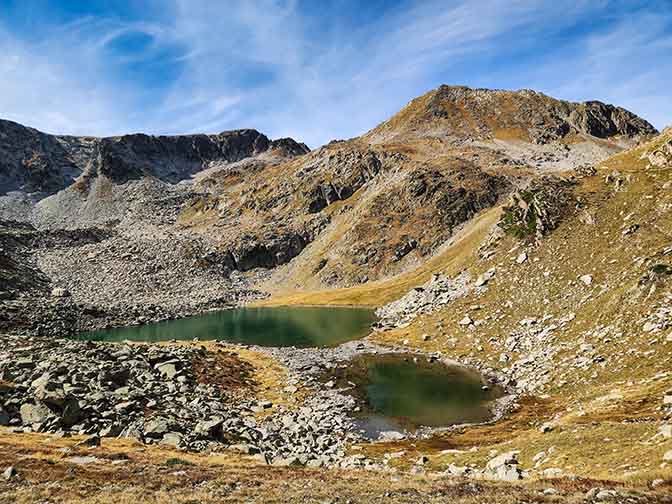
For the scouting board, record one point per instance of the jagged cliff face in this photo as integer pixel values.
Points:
(347, 213)
(85, 174)
(34, 162)
(359, 211)
(177, 158)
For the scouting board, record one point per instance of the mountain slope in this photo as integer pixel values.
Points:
(50, 179)
(388, 200)
(577, 321)
(248, 213)
(126, 191)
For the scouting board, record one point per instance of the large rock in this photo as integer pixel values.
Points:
(156, 427)
(48, 391)
(210, 428)
(72, 412)
(59, 292)
(174, 439)
(505, 467)
(169, 370)
(32, 414)
(662, 156)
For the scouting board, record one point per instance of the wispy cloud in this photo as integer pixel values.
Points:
(628, 63)
(291, 69)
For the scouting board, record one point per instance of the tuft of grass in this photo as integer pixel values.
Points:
(174, 461)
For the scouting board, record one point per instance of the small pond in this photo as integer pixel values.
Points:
(399, 392)
(278, 327)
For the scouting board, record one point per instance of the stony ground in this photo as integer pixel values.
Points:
(55, 470)
(59, 282)
(577, 322)
(187, 396)
(177, 451)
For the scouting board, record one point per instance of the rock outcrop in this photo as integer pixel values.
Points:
(35, 162)
(38, 163)
(661, 156)
(176, 158)
(536, 210)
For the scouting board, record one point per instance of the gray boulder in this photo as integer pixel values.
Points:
(210, 428)
(32, 414)
(48, 391)
(156, 427)
(174, 439)
(168, 370)
(504, 467)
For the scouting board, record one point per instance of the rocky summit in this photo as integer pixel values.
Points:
(522, 237)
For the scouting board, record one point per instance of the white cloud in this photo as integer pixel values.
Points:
(628, 64)
(61, 84)
(266, 64)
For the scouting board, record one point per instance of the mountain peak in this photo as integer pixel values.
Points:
(465, 113)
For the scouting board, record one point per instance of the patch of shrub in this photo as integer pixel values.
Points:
(661, 269)
(178, 461)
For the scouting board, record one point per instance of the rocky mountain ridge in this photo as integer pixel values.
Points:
(467, 113)
(234, 212)
(39, 163)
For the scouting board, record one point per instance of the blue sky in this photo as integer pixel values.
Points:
(315, 70)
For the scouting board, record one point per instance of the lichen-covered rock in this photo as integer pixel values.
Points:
(538, 209)
(662, 156)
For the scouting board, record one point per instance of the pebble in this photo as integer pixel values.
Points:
(10, 473)
(586, 279)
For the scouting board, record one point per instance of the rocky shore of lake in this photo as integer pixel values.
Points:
(59, 282)
(153, 393)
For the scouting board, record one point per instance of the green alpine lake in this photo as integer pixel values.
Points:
(276, 327)
(403, 392)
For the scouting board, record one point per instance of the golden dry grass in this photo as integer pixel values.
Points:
(126, 472)
(620, 431)
(607, 416)
(268, 377)
(448, 261)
